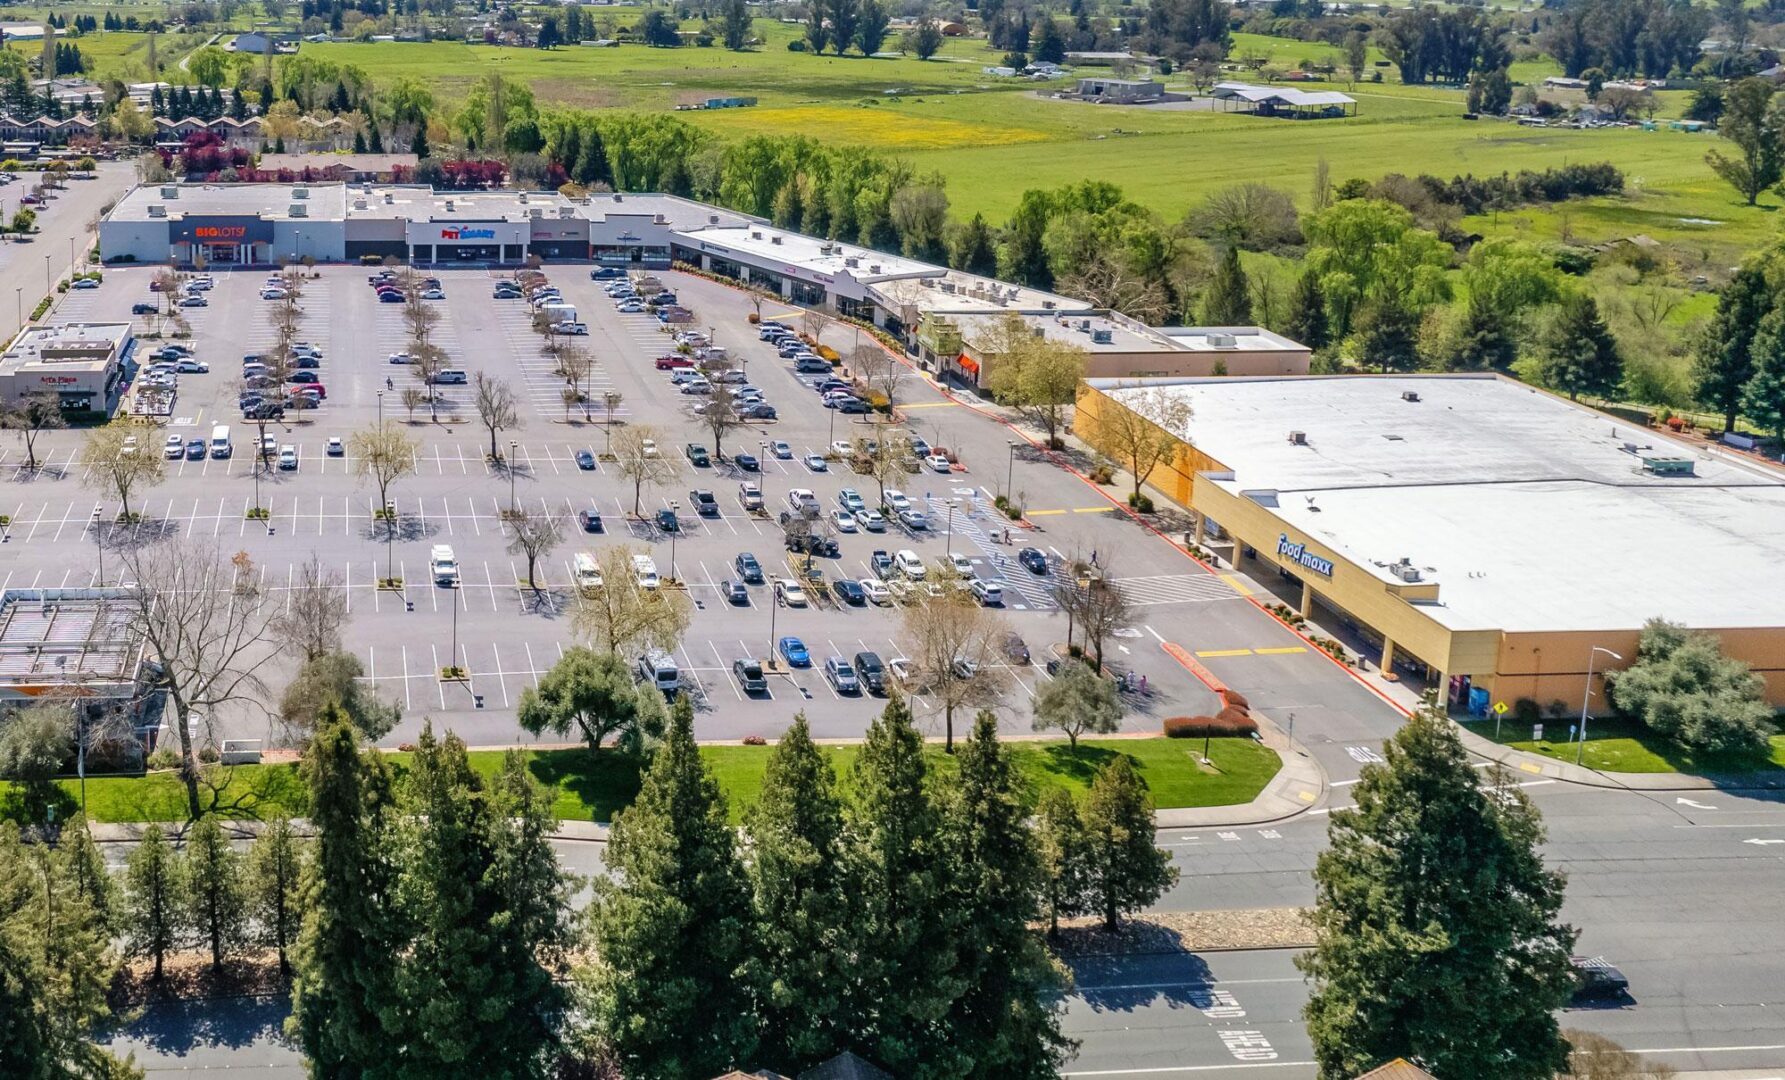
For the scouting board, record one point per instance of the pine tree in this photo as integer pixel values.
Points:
(974, 250)
(1764, 398)
(592, 165)
(789, 204)
(670, 987)
(276, 864)
(359, 142)
(1484, 341)
(736, 24)
(1006, 1023)
(216, 897)
(1435, 922)
(347, 949)
(153, 926)
(538, 928)
(1307, 312)
(84, 868)
(1580, 356)
(906, 975)
(1388, 336)
(1229, 299)
(1125, 870)
(804, 918)
(1064, 851)
(375, 141)
(1725, 360)
(24, 1041)
(419, 145)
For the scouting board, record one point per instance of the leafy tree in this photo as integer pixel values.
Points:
(926, 40)
(1078, 701)
(736, 32)
(35, 742)
(1764, 397)
(1144, 434)
(670, 986)
(594, 692)
(1683, 686)
(1228, 301)
(216, 898)
(1435, 922)
(805, 924)
(1725, 360)
(1579, 354)
(347, 949)
(276, 866)
(1754, 122)
(845, 17)
(1064, 850)
(1368, 249)
(335, 680)
(1006, 1021)
(906, 973)
(154, 882)
(1126, 871)
(1388, 336)
(1307, 312)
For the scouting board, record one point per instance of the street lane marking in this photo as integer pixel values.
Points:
(1281, 651)
(1205, 1068)
(929, 405)
(1041, 513)
(1224, 652)
(1238, 585)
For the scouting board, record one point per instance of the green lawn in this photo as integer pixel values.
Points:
(1619, 746)
(590, 788)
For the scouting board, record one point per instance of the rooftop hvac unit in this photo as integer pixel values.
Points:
(170, 192)
(1409, 395)
(1084, 326)
(712, 219)
(873, 268)
(660, 219)
(1222, 341)
(775, 240)
(1102, 337)
(1047, 305)
(756, 234)
(852, 261)
(1405, 570)
(157, 211)
(299, 210)
(300, 193)
(618, 197)
(449, 206)
(948, 287)
(523, 197)
(566, 212)
(359, 204)
(389, 198)
(1298, 438)
(535, 213)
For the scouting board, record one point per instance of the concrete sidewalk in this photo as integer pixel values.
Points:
(1570, 773)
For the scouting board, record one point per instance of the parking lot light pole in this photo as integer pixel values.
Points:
(1587, 696)
(99, 537)
(49, 282)
(1010, 470)
(774, 609)
(513, 507)
(673, 507)
(948, 545)
(381, 408)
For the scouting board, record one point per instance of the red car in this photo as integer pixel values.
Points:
(671, 361)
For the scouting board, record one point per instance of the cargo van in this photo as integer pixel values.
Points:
(560, 312)
(220, 444)
(658, 668)
(588, 571)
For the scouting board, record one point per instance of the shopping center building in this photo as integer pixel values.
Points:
(81, 364)
(1471, 532)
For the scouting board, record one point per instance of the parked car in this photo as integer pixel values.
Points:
(666, 521)
(1597, 980)
(697, 456)
(849, 592)
(876, 591)
(841, 675)
(781, 450)
(749, 676)
(143, 309)
(816, 463)
(793, 650)
(671, 361)
(790, 592)
(194, 301)
(910, 565)
(746, 462)
(175, 448)
(585, 460)
(734, 591)
(986, 592)
(748, 568)
(1016, 650)
(335, 449)
(188, 366)
(590, 520)
(195, 450)
(703, 503)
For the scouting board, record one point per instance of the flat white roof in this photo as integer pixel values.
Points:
(1288, 95)
(1230, 339)
(1084, 331)
(1528, 512)
(958, 292)
(767, 244)
(322, 202)
(71, 346)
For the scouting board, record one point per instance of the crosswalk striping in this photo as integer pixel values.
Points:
(1174, 589)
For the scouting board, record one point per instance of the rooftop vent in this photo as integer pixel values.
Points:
(566, 212)
(535, 212)
(449, 206)
(873, 268)
(712, 219)
(756, 234)
(1222, 341)
(170, 192)
(852, 261)
(1102, 337)
(774, 239)
(157, 211)
(359, 204)
(299, 210)
(948, 287)
(523, 197)
(618, 197)
(1084, 326)
(1409, 395)
(1405, 570)
(1298, 438)
(1668, 466)
(389, 198)
(1047, 305)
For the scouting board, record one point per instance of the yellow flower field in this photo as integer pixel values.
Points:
(884, 127)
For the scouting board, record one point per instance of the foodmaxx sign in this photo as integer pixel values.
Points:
(467, 234)
(1301, 556)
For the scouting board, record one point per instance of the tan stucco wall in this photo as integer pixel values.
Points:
(1113, 365)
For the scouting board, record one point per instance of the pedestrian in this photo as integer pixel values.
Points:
(1143, 684)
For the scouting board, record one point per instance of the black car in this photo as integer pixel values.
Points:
(748, 568)
(666, 520)
(704, 504)
(585, 460)
(746, 462)
(1033, 559)
(1016, 649)
(757, 412)
(590, 520)
(871, 672)
(697, 454)
(849, 592)
(1597, 980)
(143, 309)
(735, 592)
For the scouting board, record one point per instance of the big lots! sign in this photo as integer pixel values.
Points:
(220, 232)
(217, 229)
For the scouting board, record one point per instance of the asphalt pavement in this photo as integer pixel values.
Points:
(30, 269)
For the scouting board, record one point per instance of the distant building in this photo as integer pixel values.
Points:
(254, 42)
(1121, 91)
(1098, 59)
(351, 168)
(81, 363)
(1285, 101)
(1398, 1069)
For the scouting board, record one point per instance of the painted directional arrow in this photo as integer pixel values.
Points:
(1758, 841)
(1697, 806)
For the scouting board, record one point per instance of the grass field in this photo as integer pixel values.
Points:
(588, 788)
(1617, 746)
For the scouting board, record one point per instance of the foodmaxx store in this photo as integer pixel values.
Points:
(1469, 533)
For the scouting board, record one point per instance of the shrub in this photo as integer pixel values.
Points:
(165, 757)
(754, 318)
(1228, 723)
(796, 46)
(755, 740)
(1102, 474)
(1233, 699)
(1141, 502)
(209, 755)
(1525, 711)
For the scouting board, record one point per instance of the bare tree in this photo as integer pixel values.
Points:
(533, 534)
(643, 461)
(886, 458)
(31, 414)
(1093, 601)
(954, 644)
(720, 415)
(881, 372)
(429, 361)
(412, 398)
(205, 621)
(1592, 1056)
(812, 325)
(384, 456)
(577, 364)
(1108, 282)
(116, 465)
(309, 624)
(1142, 428)
(495, 408)
(622, 616)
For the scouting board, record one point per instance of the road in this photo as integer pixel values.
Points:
(69, 214)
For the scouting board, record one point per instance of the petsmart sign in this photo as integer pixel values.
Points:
(1301, 556)
(467, 234)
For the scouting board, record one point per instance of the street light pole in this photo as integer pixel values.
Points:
(49, 281)
(99, 538)
(948, 545)
(1010, 470)
(513, 508)
(381, 408)
(1587, 696)
(673, 507)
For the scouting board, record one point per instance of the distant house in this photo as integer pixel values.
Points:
(954, 29)
(1560, 82)
(1121, 91)
(253, 42)
(349, 168)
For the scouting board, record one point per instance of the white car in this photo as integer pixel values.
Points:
(400, 358)
(896, 500)
(631, 307)
(650, 447)
(876, 591)
(574, 329)
(288, 459)
(433, 294)
(803, 501)
(192, 367)
(644, 571)
(871, 520)
(443, 565)
(843, 520)
(938, 463)
(843, 448)
(986, 593)
(174, 448)
(790, 592)
(909, 564)
(272, 294)
(961, 565)
(268, 445)
(335, 447)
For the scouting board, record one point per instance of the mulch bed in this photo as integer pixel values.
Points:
(1186, 931)
(187, 976)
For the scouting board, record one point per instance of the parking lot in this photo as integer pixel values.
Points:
(505, 635)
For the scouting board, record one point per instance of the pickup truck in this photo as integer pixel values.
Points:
(882, 563)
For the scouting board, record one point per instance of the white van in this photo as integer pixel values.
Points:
(221, 447)
(659, 669)
(443, 565)
(644, 572)
(450, 375)
(587, 571)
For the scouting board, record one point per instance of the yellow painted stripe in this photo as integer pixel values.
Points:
(1307, 796)
(1039, 513)
(1528, 767)
(1281, 651)
(1238, 585)
(1225, 652)
(1092, 509)
(929, 405)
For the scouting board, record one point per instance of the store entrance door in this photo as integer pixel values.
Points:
(223, 254)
